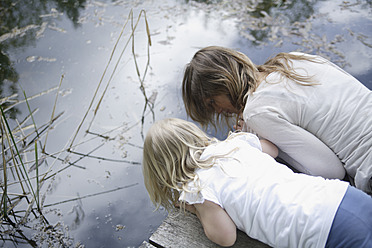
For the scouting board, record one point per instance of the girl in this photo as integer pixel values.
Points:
(319, 116)
(232, 183)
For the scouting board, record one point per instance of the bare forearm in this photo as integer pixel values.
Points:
(217, 224)
(269, 148)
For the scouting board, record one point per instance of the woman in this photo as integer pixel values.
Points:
(319, 116)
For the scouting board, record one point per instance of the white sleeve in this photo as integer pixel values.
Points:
(198, 194)
(298, 147)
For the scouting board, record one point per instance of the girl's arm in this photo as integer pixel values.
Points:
(217, 224)
(269, 148)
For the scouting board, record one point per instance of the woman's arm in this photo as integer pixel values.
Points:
(269, 148)
(217, 224)
(304, 151)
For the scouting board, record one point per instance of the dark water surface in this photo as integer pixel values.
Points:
(101, 201)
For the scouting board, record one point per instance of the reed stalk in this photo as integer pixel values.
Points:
(141, 78)
(37, 179)
(26, 140)
(16, 155)
(5, 187)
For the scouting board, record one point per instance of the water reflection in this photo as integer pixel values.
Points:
(270, 18)
(72, 8)
(22, 24)
(8, 73)
(97, 198)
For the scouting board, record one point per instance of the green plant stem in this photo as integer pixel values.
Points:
(5, 191)
(17, 152)
(37, 179)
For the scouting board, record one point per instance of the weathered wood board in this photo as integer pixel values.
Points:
(145, 244)
(185, 230)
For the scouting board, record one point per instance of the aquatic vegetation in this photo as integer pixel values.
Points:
(28, 169)
(33, 171)
(22, 198)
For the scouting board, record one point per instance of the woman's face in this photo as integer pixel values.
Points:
(222, 104)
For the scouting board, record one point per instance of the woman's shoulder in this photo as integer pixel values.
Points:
(299, 53)
(306, 55)
(307, 58)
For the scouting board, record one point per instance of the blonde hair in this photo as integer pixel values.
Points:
(171, 155)
(217, 71)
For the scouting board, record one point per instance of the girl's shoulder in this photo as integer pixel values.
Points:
(240, 140)
(233, 141)
(244, 138)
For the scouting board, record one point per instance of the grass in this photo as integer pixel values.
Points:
(24, 149)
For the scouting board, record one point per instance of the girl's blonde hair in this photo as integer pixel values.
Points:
(217, 71)
(171, 154)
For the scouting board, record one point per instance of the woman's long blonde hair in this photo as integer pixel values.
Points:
(171, 155)
(217, 71)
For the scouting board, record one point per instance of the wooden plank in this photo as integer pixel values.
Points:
(185, 230)
(145, 244)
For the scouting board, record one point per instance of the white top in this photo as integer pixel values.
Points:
(266, 199)
(316, 128)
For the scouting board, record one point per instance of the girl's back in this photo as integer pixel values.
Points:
(266, 199)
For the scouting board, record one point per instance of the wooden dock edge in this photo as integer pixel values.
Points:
(185, 230)
(145, 244)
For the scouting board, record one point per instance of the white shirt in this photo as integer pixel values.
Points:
(266, 199)
(316, 128)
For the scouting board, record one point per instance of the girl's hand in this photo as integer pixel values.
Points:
(239, 125)
(189, 207)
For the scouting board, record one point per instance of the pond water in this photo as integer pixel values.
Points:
(95, 195)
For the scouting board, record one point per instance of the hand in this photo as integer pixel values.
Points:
(239, 125)
(189, 207)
